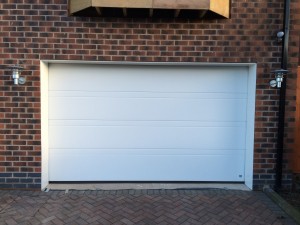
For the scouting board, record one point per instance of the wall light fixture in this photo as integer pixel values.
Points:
(16, 71)
(278, 78)
(280, 36)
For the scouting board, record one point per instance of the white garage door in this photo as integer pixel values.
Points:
(147, 123)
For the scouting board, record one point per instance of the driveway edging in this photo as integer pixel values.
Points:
(284, 205)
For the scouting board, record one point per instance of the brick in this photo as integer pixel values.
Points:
(19, 175)
(26, 181)
(6, 186)
(18, 186)
(34, 175)
(34, 186)
(5, 174)
(12, 180)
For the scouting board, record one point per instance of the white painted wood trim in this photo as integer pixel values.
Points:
(250, 126)
(44, 123)
(149, 63)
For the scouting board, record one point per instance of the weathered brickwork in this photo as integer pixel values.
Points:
(34, 30)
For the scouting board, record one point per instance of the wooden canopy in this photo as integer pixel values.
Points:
(149, 8)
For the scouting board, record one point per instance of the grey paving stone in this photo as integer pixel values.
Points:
(140, 207)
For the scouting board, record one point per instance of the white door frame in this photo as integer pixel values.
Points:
(44, 76)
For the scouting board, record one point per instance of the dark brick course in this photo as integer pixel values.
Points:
(20, 180)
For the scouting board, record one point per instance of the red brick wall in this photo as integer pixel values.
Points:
(296, 155)
(34, 30)
(294, 49)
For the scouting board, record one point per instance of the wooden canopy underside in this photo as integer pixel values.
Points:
(147, 8)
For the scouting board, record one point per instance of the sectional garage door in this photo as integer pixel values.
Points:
(147, 122)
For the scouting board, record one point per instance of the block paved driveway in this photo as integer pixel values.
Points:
(210, 206)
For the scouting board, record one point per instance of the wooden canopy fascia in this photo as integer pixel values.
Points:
(219, 7)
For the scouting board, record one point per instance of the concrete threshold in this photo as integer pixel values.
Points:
(148, 186)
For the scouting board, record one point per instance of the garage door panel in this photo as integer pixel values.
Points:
(148, 94)
(148, 167)
(77, 77)
(147, 136)
(63, 152)
(148, 109)
(150, 123)
(147, 123)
